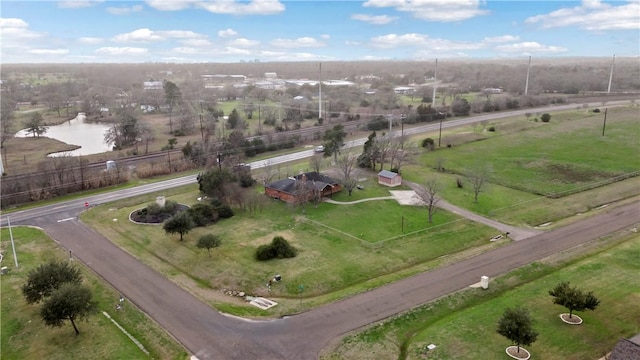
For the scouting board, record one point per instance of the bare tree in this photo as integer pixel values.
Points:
(429, 195)
(301, 194)
(477, 177)
(268, 172)
(347, 164)
(315, 162)
(383, 145)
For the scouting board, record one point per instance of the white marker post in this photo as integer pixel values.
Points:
(13, 245)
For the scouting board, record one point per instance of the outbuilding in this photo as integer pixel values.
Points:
(389, 178)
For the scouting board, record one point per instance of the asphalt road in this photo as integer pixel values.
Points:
(210, 335)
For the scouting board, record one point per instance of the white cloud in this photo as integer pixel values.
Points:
(242, 42)
(74, 4)
(592, 15)
(297, 43)
(325, 36)
(12, 29)
(90, 40)
(422, 41)
(501, 39)
(148, 35)
(227, 33)
(124, 10)
(49, 51)
(529, 47)
(171, 5)
(255, 7)
(374, 19)
(196, 42)
(117, 51)
(434, 10)
(230, 7)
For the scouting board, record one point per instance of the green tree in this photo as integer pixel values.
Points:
(124, 132)
(45, 279)
(516, 325)
(213, 183)
(546, 117)
(172, 97)
(460, 107)
(71, 301)
(573, 298)
(208, 242)
(333, 141)
(368, 157)
(35, 125)
(180, 223)
(234, 119)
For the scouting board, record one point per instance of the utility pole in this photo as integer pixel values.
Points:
(435, 84)
(526, 85)
(604, 124)
(13, 245)
(320, 93)
(611, 74)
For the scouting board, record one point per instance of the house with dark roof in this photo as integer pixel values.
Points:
(308, 185)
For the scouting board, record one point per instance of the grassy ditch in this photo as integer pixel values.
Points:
(24, 335)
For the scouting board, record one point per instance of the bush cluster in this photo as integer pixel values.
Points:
(278, 249)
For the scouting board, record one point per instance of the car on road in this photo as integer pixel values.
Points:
(319, 148)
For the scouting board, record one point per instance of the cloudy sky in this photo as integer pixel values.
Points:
(189, 31)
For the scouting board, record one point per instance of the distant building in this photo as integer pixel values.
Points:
(312, 184)
(404, 90)
(492, 90)
(271, 75)
(152, 85)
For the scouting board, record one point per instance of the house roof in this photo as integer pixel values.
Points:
(318, 181)
(625, 349)
(387, 174)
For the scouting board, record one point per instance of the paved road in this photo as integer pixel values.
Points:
(210, 335)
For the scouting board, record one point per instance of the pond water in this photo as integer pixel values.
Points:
(88, 135)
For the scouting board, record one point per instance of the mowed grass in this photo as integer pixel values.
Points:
(462, 326)
(24, 335)
(333, 255)
(564, 155)
(513, 192)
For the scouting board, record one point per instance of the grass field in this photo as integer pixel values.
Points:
(462, 325)
(334, 254)
(24, 335)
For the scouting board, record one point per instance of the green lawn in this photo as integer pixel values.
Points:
(24, 335)
(462, 326)
(339, 249)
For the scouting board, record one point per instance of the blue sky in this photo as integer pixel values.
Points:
(188, 31)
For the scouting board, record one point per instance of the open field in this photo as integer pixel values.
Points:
(24, 335)
(462, 325)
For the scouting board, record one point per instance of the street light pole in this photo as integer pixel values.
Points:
(13, 245)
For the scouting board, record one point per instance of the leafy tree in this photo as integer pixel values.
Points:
(367, 158)
(172, 97)
(45, 279)
(35, 125)
(7, 119)
(124, 132)
(208, 242)
(333, 141)
(203, 214)
(213, 183)
(428, 143)
(279, 248)
(516, 325)
(573, 299)
(180, 223)
(71, 301)
(234, 119)
(546, 117)
(460, 107)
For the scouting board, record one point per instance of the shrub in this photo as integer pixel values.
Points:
(459, 182)
(278, 249)
(203, 214)
(491, 128)
(225, 211)
(546, 117)
(428, 143)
